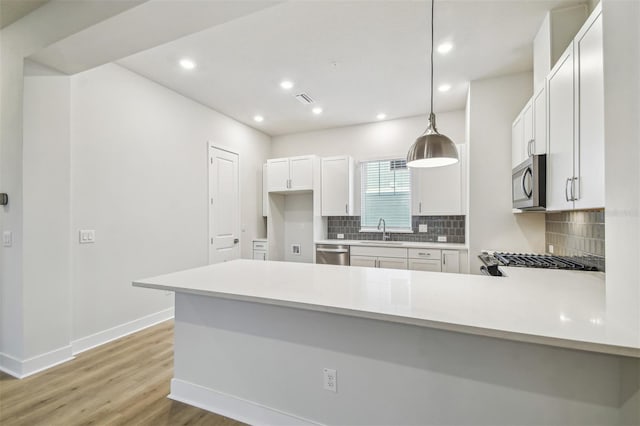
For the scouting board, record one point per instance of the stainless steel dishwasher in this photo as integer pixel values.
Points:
(332, 254)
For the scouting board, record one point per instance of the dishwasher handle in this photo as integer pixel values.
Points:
(326, 250)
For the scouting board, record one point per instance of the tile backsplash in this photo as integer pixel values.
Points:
(453, 227)
(577, 233)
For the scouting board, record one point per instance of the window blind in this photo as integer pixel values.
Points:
(386, 194)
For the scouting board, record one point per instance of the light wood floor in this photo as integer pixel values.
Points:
(125, 382)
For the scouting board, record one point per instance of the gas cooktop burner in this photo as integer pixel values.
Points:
(493, 260)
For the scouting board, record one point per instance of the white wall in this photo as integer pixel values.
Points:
(139, 162)
(368, 141)
(298, 227)
(493, 104)
(47, 215)
(621, 25)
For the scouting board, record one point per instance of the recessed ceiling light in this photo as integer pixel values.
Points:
(317, 110)
(286, 84)
(187, 64)
(381, 116)
(444, 87)
(444, 48)
(258, 118)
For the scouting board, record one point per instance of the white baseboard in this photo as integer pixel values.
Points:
(102, 337)
(24, 368)
(230, 406)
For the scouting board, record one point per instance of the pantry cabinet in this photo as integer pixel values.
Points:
(337, 176)
(575, 167)
(438, 191)
(290, 174)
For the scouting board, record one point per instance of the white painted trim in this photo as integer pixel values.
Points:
(21, 369)
(105, 336)
(231, 406)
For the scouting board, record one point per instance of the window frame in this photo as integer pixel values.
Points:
(390, 229)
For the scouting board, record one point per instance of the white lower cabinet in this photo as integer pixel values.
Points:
(450, 261)
(260, 250)
(379, 257)
(425, 265)
(367, 261)
(392, 263)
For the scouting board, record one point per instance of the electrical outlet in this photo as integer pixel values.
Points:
(330, 380)
(442, 238)
(423, 227)
(341, 236)
(295, 249)
(551, 248)
(7, 238)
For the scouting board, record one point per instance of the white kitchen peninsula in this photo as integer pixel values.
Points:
(537, 347)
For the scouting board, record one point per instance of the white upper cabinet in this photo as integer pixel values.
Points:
(575, 166)
(437, 191)
(290, 174)
(561, 133)
(517, 141)
(265, 192)
(539, 104)
(337, 186)
(589, 166)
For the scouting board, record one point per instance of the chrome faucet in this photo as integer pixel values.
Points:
(385, 236)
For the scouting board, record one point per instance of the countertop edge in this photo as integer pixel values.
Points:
(627, 351)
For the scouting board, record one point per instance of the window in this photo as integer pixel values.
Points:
(386, 194)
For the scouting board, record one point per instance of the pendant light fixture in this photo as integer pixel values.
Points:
(432, 149)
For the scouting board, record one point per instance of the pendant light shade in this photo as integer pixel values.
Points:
(432, 149)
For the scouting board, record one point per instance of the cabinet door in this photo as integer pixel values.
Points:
(259, 255)
(450, 261)
(265, 191)
(337, 186)
(278, 174)
(438, 190)
(367, 261)
(392, 263)
(517, 141)
(528, 130)
(425, 265)
(539, 145)
(589, 159)
(301, 173)
(561, 133)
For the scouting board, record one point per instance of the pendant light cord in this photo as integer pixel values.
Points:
(431, 93)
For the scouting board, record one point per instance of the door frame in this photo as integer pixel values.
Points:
(212, 145)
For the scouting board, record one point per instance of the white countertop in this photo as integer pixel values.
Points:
(401, 244)
(559, 308)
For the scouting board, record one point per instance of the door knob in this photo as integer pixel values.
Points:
(236, 241)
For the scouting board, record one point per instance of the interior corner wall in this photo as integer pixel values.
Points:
(139, 179)
(493, 105)
(47, 216)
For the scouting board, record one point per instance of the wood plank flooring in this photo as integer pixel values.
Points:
(125, 382)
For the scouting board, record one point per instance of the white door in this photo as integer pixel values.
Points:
(540, 122)
(224, 206)
(528, 130)
(301, 173)
(451, 261)
(278, 174)
(517, 141)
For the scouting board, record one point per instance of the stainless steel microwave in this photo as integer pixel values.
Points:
(529, 184)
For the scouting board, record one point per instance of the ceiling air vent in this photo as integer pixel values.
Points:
(303, 98)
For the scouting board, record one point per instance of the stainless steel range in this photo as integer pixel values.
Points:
(493, 260)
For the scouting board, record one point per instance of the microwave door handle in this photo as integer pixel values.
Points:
(527, 191)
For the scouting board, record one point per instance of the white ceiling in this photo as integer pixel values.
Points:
(12, 10)
(354, 58)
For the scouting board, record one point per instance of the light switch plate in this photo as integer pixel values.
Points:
(87, 236)
(442, 238)
(551, 248)
(423, 227)
(7, 238)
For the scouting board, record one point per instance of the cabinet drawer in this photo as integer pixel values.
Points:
(379, 251)
(260, 245)
(424, 254)
(425, 265)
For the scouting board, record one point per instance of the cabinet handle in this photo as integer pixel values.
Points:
(444, 258)
(573, 189)
(420, 207)
(530, 148)
(566, 187)
(346, 208)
